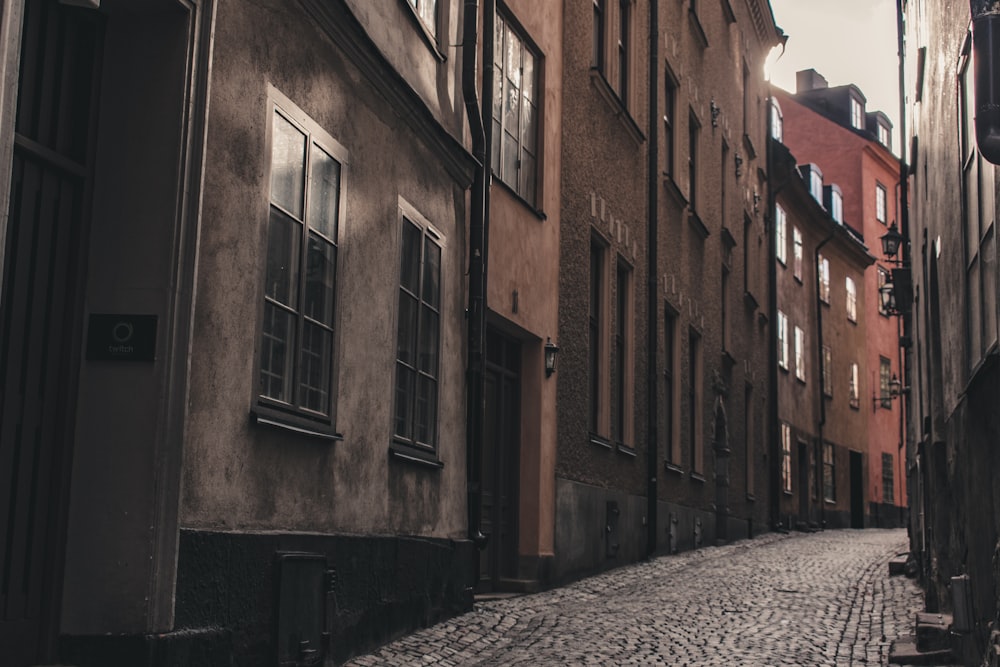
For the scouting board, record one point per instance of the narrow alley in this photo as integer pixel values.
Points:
(798, 599)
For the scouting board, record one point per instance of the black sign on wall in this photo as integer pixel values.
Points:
(113, 337)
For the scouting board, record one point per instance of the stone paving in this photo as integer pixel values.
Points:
(817, 599)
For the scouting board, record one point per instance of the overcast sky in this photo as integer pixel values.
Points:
(847, 41)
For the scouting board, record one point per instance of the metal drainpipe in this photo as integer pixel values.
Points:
(986, 47)
(904, 325)
(477, 295)
(820, 472)
(772, 346)
(652, 302)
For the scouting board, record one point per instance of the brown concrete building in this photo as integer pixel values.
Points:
(830, 127)
(821, 330)
(234, 270)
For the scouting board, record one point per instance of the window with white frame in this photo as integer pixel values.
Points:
(296, 364)
(816, 184)
(857, 111)
(780, 232)
(797, 252)
(418, 330)
(823, 275)
(777, 123)
(880, 203)
(515, 111)
(800, 354)
(786, 458)
(837, 206)
(427, 11)
(852, 299)
(883, 135)
(782, 340)
(854, 391)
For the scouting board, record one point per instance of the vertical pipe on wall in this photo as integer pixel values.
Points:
(652, 302)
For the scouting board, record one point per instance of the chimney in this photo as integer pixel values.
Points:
(809, 79)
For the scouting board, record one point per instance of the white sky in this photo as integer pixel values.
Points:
(847, 41)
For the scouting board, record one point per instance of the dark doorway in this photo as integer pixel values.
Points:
(804, 477)
(40, 314)
(501, 445)
(857, 491)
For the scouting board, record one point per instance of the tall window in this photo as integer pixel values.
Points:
(724, 310)
(797, 252)
(888, 487)
(515, 112)
(786, 458)
(823, 275)
(622, 337)
(829, 473)
(599, 34)
(837, 206)
(852, 299)
(780, 232)
(827, 371)
(856, 113)
(800, 354)
(884, 376)
(751, 439)
(597, 325)
(855, 389)
(427, 11)
(816, 184)
(883, 135)
(883, 278)
(880, 203)
(418, 334)
(296, 340)
(624, 36)
(782, 340)
(669, 111)
(693, 131)
(671, 389)
(695, 393)
(777, 123)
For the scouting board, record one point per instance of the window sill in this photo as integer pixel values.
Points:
(827, 501)
(407, 453)
(855, 406)
(751, 498)
(801, 381)
(787, 493)
(673, 467)
(748, 143)
(697, 29)
(751, 301)
(539, 213)
(783, 369)
(697, 477)
(625, 450)
(425, 34)
(617, 105)
(727, 9)
(798, 279)
(674, 191)
(695, 221)
(278, 421)
(728, 238)
(599, 441)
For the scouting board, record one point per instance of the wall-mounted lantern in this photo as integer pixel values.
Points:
(716, 110)
(551, 350)
(891, 241)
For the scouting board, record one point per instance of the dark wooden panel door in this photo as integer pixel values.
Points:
(40, 315)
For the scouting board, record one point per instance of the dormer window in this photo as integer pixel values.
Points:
(814, 181)
(883, 135)
(833, 199)
(857, 114)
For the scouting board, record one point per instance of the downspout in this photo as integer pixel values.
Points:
(774, 462)
(986, 49)
(906, 319)
(475, 408)
(820, 472)
(652, 270)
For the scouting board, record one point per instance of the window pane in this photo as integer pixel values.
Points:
(512, 63)
(509, 170)
(988, 256)
(498, 45)
(495, 148)
(426, 428)
(529, 126)
(277, 343)
(287, 166)
(512, 112)
(409, 272)
(529, 75)
(406, 329)
(324, 193)
(314, 365)
(282, 271)
(432, 274)
(405, 387)
(429, 327)
(427, 11)
(975, 313)
(320, 269)
(528, 176)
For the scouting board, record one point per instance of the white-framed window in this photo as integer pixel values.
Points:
(780, 232)
(880, 203)
(800, 354)
(823, 275)
(786, 458)
(782, 340)
(515, 111)
(295, 363)
(777, 122)
(854, 391)
(797, 252)
(418, 333)
(857, 113)
(837, 205)
(884, 137)
(816, 184)
(427, 11)
(852, 299)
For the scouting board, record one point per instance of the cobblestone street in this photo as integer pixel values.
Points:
(817, 599)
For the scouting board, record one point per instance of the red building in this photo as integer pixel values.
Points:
(830, 127)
